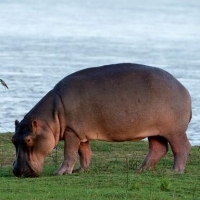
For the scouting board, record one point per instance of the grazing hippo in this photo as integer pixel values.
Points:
(119, 102)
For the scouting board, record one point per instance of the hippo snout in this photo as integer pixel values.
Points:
(24, 172)
(17, 172)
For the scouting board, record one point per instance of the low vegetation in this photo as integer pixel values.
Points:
(112, 175)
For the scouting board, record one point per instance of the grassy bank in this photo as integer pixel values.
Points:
(112, 175)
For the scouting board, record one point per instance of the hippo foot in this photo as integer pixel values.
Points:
(145, 168)
(56, 173)
(62, 170)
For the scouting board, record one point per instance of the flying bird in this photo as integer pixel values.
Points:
(3, 83)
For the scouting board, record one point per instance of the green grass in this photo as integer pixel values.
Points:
(112, 175)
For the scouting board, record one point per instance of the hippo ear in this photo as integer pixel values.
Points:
(16, 123)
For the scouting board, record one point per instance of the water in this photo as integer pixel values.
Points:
(43, 41)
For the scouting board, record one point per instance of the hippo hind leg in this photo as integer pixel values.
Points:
(180, 147)
(158, 147)
(85, 154)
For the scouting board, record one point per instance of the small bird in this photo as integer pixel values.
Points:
(3, 83)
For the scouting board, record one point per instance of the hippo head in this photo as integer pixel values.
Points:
(33, 140)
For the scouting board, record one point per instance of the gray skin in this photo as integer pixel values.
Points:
(120, 102)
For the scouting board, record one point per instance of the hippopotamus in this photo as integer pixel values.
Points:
(115, 103)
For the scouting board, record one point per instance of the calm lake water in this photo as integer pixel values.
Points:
(42, 41)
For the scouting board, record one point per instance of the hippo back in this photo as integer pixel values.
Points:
(124, 98)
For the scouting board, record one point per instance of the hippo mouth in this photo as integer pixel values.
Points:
(25, 172)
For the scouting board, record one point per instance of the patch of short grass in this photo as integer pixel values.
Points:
(112, 175)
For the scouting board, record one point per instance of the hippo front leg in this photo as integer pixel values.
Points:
(71, 147)
(85, 154)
